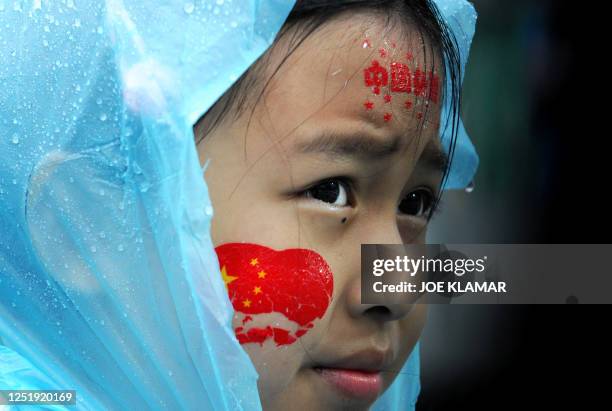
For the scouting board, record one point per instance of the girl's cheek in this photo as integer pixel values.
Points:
(277, 295)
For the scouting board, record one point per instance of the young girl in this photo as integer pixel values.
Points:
(329, 141)
(114, 285)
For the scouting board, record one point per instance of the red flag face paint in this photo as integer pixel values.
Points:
(295, 284)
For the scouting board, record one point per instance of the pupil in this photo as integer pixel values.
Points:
(328, 191)
(411, 204)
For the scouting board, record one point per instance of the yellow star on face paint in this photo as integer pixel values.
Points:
(246, 303)
(261, 274)
(254, 261)
(257, 290)
(226, 278)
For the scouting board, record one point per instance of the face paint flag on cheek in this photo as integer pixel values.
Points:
(295, 283)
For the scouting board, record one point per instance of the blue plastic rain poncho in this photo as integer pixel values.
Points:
(109, 283)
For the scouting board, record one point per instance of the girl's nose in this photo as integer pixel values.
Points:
(375, 312)
(378, 231)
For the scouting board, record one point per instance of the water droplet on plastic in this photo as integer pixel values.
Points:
(15, 139)
(188, 8)
(470, 187)
(98, 101)
(93, 248)
(120, 247)
(103, 117)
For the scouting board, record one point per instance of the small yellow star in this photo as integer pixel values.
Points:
(261, 274)
(246, 303)
(226, 278)
(254, 261)
(257, 290)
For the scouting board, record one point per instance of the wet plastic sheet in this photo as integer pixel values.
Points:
(109, 282)
(460, 16)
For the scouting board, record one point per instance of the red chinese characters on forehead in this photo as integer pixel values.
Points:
(402, 79)
(294, 283)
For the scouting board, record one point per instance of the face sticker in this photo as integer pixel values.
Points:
(401, 78)
(294, 285)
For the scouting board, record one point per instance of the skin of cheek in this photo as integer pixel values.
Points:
(277, 295)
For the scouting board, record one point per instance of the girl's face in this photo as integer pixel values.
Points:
(342, 150)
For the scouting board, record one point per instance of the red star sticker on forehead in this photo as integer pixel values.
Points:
(387, 117)
(387, 98)
(368, 105)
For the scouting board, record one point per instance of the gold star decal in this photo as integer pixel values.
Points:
(226, 278)
(257, 290)
(261, 274)
(246, 303)
(254, 261)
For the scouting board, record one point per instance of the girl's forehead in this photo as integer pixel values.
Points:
(360, 69)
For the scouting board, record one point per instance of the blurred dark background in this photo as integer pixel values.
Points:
(534, 103)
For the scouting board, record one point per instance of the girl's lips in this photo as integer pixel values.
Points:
(364, 385)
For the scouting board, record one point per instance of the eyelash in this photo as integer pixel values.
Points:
(348, 184)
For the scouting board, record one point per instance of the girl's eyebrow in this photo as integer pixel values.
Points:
(355, 146)
(364, 147)
(434, 157)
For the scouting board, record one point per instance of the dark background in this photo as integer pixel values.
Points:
(535, 104)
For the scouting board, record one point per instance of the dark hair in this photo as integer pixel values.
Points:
(308, 15)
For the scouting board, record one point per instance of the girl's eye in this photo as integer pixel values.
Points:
(331, 191)
(417, 203)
